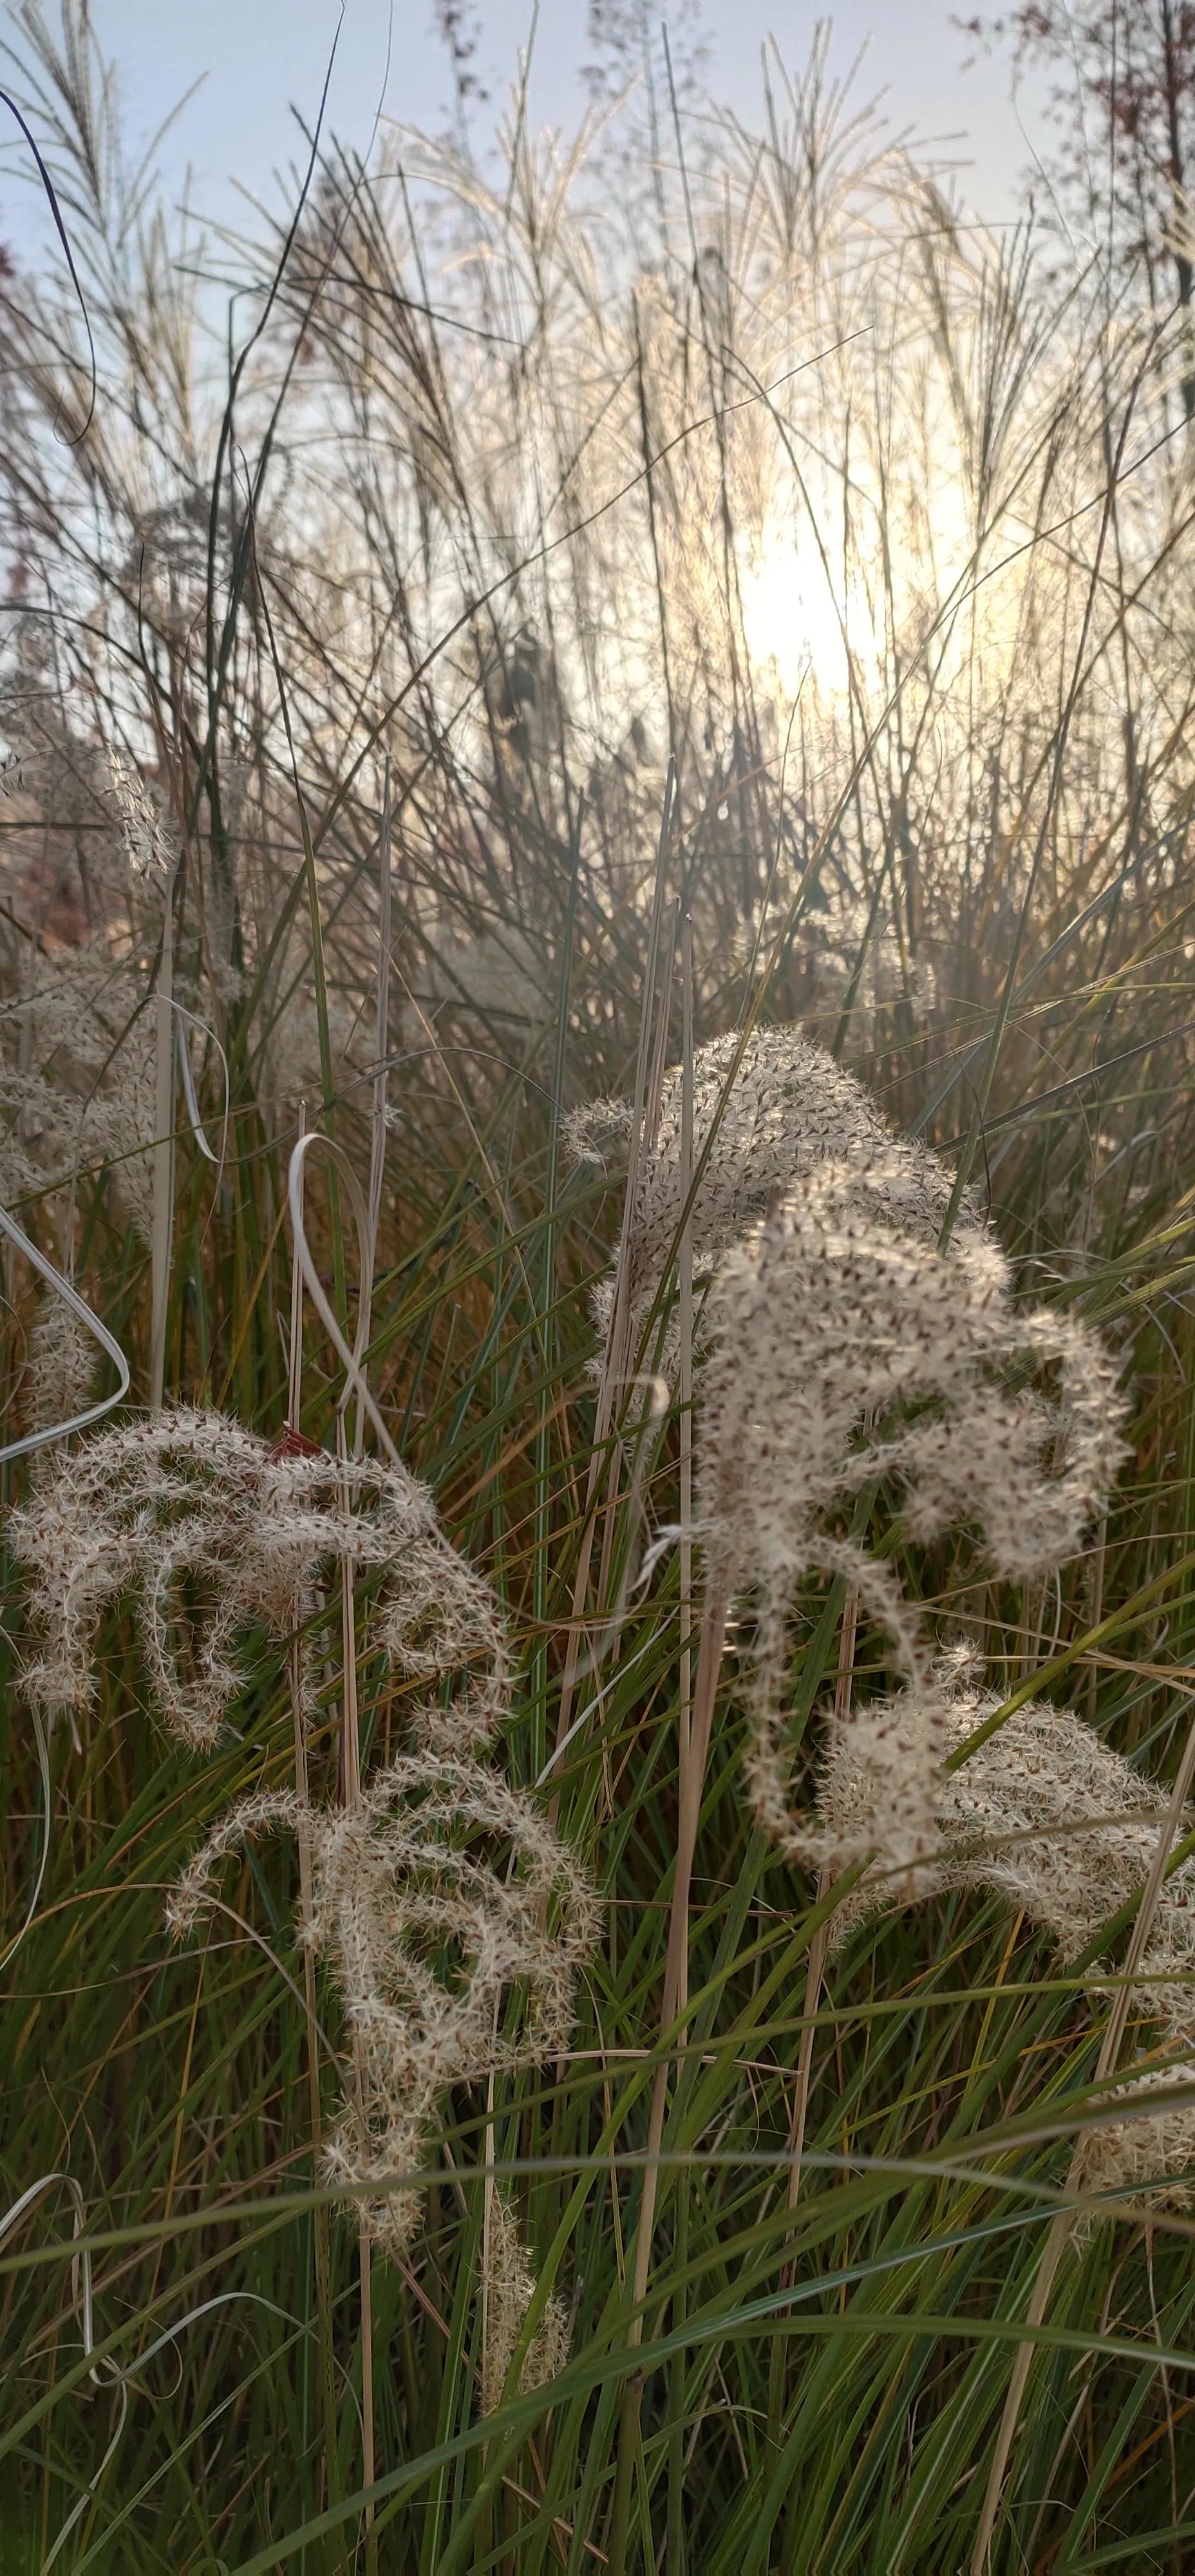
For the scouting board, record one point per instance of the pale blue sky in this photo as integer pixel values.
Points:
(257, 56)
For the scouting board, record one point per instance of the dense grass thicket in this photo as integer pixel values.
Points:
(413, 544)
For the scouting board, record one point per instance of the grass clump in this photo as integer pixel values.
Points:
(699, 2079)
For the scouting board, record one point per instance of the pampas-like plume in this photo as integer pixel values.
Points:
(1053, 1819)
(1128, 2156)
(192, 1499)
(82, 1088)
(62, 1365)
(510, 2288)
(454, 1917)
(1044, 1813)
(832, 1315)
(430, 1939)
(789, 1109)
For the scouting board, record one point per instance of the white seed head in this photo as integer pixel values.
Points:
(455, 1921)
(81, 1091)
(192, 1498)
(148, 846)
(591, 1132)
(846, 1350)
(1047, 1815)
(786, 1110)
(1149, 2159)
(510, 2288)
(62, 1364)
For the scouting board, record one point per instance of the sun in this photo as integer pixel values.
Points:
(796, 621)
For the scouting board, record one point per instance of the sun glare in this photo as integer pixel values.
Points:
(798, 624)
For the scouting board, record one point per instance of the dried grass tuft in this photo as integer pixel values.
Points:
(62, 1365)
(456, 1921)
(191, 1501)
(786, 1110)
(846, 1350)
(1062, 1826)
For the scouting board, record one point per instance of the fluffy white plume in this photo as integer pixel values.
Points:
(191, 1499)
(510, 2288)
(455, 1921)
(788, 1109)
(844, 1350)
(1050, 1817)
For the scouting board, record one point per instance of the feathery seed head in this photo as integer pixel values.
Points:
(1046, 1814)
(846, 1349)
(1150, 2158)
(1050, 1817)
(590, 1131)
(827, 1317)
(82, 1091)
(786, 1110)
(510, 2288)
(148, 846)
(431, 1943)
(62, 1365)
(193, 1497)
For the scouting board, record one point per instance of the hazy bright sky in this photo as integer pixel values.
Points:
(256, 57)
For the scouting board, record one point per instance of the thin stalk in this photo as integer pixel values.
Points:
(350, 1736)
(615, 1357)
(162, 1221)
(323, 2249)
(815, 1969)
(350, 1722)
(381, 1040)
(489, 2149)
(819, 1945)
(684, 1263)
(709, 1665)
(543, 1445)
(350, 1765)
(651, 1135)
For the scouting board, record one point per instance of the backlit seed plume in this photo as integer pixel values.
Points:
(191, 1502)
(455, 1921)
(76, 784)
(846, 1350)
(790, 1108)
(592, 1132)
(1049, 1816)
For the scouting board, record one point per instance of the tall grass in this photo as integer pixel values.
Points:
(766, 463)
